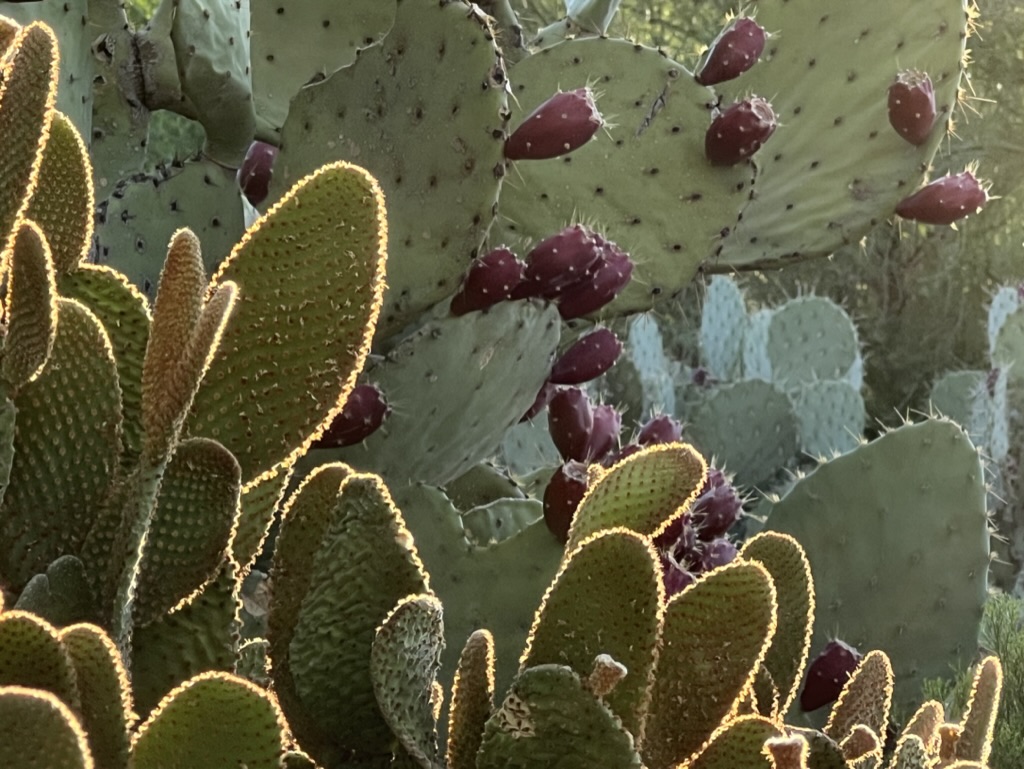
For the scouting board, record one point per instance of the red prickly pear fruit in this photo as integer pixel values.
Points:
(562, 496)
(945, 200)
(912, 106)
(587, 358)
(617, 456)
(559, 261)
(827, 675)
(605, 434)
(570, 423)
(662, 429)
(257, 169)
(612, 273)
(362, 414)
(544, 396)
(490, 279)
(733, 52)
(738, 132)
(675, 577)
(716, 508)
(718, 552)
(563, 123)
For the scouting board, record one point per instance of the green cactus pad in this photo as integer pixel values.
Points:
(482, 484)
(253, 661)
(910, 754)
(864, 700)
(723, 322)
(1009, 346)
(454, 387)
(978, 725)
(66, 443)
(62, 595)
(809, 339)
(822, 751)
(331, 35)
(1005, 301)
(831, 416)
(259, 502)
(643, 182)
(361, 564)
(214, 719)
(404, 661)
(282, 338)
(786, 562)
(49, 735)
(643, 492)
(106, 699)
(961, 396)
(31, 655)
(714, 636)
(191, 526)
(499, 520)
(737, 742)
(756, 364)
(196, 637)
(606, 599)
(296, 759)
(548, 718)
(527, 446)
(920, 491)
(835, 167)
(28, 89)
(439, 159)
(31, 307)
(748, 426)
(472, 700)
(62, 204)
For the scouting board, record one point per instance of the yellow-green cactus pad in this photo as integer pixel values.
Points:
(31, 655)
(404, 661)
(214, 719)
(979, 722)
(40, 732)
(354, 573)
(472, 700)
(865, 698)
(190, 531)
(787, 564)
(329, 234)
(548, 718)
(259, 502)
(66, 443)
(63, 201)
(106, 712)
(910, 754)
(714, 637)
(925, 723)
(738, 742)
(606, 599)
(643, 492)
(28, 91)
(861, 743)
(31, 307)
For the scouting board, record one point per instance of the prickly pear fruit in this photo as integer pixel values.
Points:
(675, 577)
(562, 496)
(716, 508)
(605, 433)
(570, 423)
(563, 123)
(717, 553)
(827, 675)
(945, 200)
(739, 131)
(490, 279)
(912, 106)
(679, 538)
(661, 429)
(613, 271)
(587, 358)
(544, 396)
(617, 456)
(257, 169)
(363, 413)
(559, 261)
(733, 52)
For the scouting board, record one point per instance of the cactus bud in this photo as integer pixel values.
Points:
(490, 279)
(570, 422)
(363, 413)
(733, 52)
(562, 496)
(912, 106)
(605, 433)
(256, 171)
(738, 132)
(661, 429)
(716, 508)
(611, 274)
(563, 123)
(559, 261)
(588, 358)
(945, 200)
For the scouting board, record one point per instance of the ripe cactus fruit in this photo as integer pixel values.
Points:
(559, 261)
(912, 106)
(717, 507)
(739, 131)
(733, 52)
(562, 496)
(563, 123)
(610, 275)
(660, 429)
(587, 358)
(362, 414)
(256, 171)
(945, 200)
(544, 396)
(604, 436)
(827, 674)
(570, 422)
(490, 279)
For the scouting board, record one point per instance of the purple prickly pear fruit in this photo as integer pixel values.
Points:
(257, 169)
(559, 261)
(662, 429)
(562, 496)
(490, 279)
(563, 123)
(605, 434)
(717, 553)
(570, 423)
(612, 273)
(587, 358)
(912, 106)
(945, 200)
(675, 577)
(716, 508)
(617, 456)
(733, 52)
(739, 131)
(679, 533)
(362, 414)
(827, 675)
(544, 396)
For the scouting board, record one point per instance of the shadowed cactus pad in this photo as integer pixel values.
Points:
(49, 735)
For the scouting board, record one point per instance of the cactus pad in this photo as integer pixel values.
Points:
(31, 307)
(723, 323)
(830, 415)
(978, 725)
(809, 339)
(472, 700)
(49, 736)
(258, 504)
(737, 742)
(62, 595)
(864, 701)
